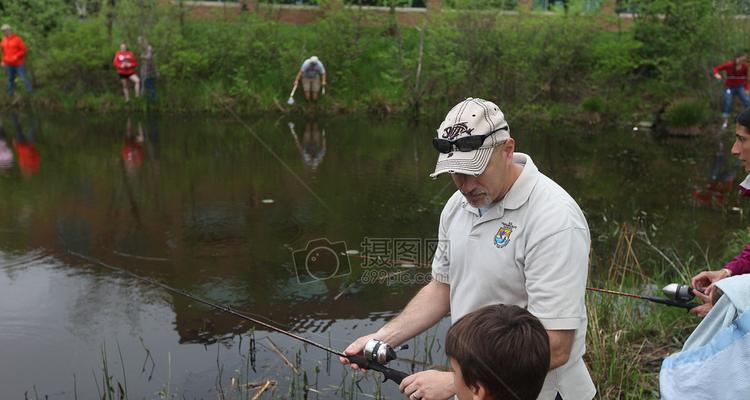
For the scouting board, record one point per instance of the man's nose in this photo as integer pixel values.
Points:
(467, 183)
(736, 147)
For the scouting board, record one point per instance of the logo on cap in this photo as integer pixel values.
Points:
(453, 131)
(502, 237)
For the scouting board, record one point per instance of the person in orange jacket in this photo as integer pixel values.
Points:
(13, 52)
(125, 64)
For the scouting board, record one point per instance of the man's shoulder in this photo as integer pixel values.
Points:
(547, 189)
(552, 205)
(454, 201)
(453, 204)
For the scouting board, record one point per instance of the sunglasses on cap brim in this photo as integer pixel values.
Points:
(466, 143)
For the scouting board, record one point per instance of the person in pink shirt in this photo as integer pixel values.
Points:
(741, 263)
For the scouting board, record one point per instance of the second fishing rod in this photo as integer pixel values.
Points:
(677, 295)
(376, 353)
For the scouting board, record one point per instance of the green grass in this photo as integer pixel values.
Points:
(248, 63)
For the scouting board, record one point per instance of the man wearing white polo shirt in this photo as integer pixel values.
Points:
(509, 235)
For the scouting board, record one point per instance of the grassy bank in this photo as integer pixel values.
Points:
(578, 67)
(628, 339)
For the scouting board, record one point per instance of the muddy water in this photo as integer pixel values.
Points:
(251, 213)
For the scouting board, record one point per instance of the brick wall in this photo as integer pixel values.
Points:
(301, 14)
(293, 14)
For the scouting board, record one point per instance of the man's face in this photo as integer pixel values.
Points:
(463, 392)
(123, 47)
(490, 186)
(741, 147)
(7, 32)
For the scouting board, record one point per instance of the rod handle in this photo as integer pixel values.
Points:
(388, 373)
(687, 306)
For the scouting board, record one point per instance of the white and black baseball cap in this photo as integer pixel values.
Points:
(469, 118)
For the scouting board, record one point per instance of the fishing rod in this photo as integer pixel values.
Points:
(677, 295)
(673, 290)
(376, 352)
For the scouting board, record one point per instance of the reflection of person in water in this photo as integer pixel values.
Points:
(153, 150)
(313, 146)
(6, 154)
(132, 150)
(29, 158)
(721, 180)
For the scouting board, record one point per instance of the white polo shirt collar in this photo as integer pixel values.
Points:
(517, 195)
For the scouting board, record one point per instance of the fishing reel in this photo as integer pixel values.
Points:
(381, 352)
(679, 293)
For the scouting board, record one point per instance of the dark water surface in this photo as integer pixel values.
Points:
(222, 208)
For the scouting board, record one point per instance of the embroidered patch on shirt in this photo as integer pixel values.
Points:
(502, 237)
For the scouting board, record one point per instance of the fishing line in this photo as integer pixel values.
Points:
(388, 373)
(408, 263)
(220, 307)
(278, 158)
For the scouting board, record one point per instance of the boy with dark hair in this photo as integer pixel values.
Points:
(498, 352)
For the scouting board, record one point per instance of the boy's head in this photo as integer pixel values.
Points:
(498, 352)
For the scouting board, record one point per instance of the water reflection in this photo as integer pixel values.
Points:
(29, 158)
(312, 147)
(181, 200)
(132, 150)
(6, 154)
(720, 178)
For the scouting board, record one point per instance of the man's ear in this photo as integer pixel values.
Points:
(478, 392)
(509, 147)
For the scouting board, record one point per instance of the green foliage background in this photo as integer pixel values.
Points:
(547, 64)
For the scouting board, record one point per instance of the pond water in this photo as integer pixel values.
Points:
(238, 211)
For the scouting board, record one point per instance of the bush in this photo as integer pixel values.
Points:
(521, 61)
(593, 104)
(79, 54)
(685, 113)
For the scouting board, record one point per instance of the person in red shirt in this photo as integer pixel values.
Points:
(125, 64)
(14, 51)
(735, 84)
